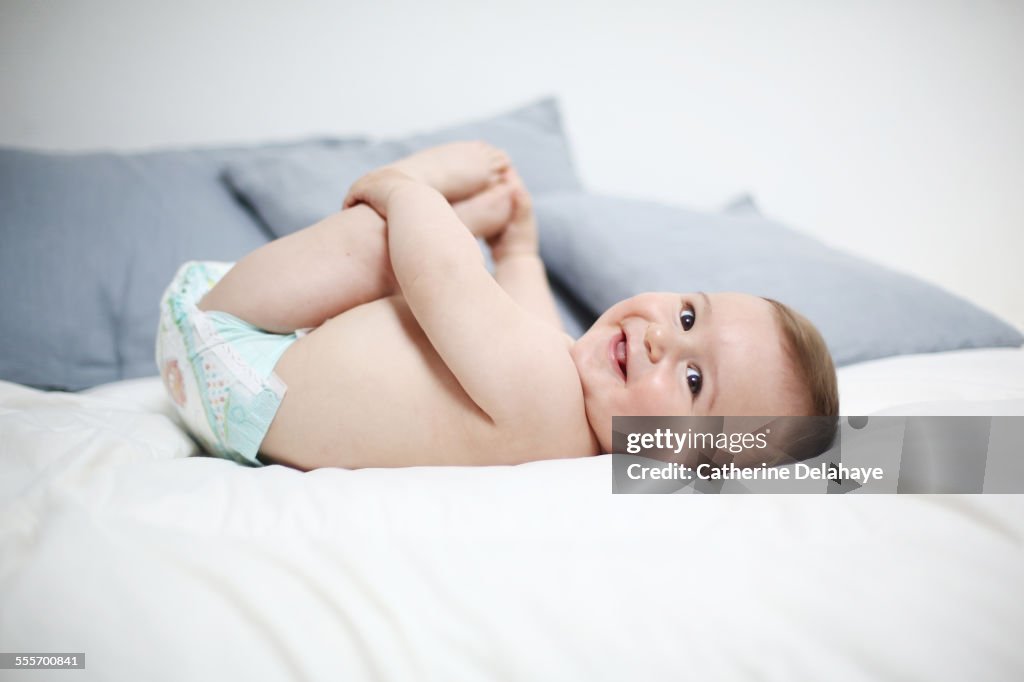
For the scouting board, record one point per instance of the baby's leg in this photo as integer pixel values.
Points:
(308, 277)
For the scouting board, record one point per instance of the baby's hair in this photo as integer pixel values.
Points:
(816, 373)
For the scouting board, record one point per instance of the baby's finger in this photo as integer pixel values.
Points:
(358, 192)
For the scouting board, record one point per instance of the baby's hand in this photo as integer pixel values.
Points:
(375, 189)
(520, 235)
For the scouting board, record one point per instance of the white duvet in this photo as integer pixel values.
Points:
(159, 565)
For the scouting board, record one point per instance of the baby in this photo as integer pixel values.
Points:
(377, 338)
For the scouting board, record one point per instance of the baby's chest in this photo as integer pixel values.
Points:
(369, 381)
(376, 357)
(369, 386)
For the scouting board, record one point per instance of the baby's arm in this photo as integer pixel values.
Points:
(498, 351)
(517, 264)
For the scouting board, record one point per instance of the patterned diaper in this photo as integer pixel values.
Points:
(217, 368)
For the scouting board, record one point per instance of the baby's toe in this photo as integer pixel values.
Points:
(499, 159)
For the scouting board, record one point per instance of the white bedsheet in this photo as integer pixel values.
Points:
(160, 566)
(977, 375)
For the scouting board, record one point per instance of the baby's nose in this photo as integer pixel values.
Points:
(659, 341)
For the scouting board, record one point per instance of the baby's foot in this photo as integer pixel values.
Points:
(520, 234)
(486, 213)
(457, 170)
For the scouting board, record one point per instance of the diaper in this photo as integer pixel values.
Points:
(218, 369)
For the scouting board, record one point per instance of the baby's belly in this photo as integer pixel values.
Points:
(367, 389)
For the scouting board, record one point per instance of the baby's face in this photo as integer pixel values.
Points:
(665, 354)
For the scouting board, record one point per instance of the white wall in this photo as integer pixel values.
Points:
(893, 129)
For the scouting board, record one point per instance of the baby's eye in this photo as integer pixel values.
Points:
(687, 317)
(694, 380)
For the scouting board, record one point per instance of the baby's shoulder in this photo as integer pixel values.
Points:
(551, 406)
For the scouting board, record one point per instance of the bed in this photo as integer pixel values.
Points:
(120, 540)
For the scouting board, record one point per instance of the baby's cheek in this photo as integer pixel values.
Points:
(656, 398)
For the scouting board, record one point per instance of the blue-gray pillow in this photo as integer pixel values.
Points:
(89, 241)
(605, 249)
(294, 188)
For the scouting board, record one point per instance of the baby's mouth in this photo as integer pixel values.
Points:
(621, 349)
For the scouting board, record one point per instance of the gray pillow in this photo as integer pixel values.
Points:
(606, 249)
(294, 188)
(89, 243)
(742, 205)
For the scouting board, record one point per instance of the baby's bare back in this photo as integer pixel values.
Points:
(367, 389)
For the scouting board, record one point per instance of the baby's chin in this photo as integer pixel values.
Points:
(592, 331)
